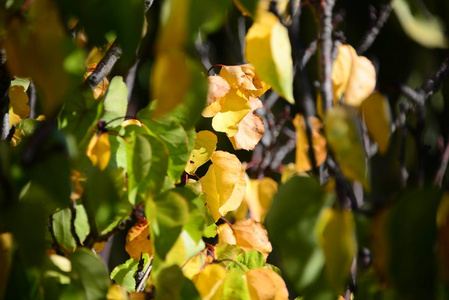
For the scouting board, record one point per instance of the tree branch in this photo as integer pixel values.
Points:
(372, 33)
(325, 51)
(104, 66)
(442, 170)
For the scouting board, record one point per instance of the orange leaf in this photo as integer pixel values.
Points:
(259, 195)
(266, 284)
(302, 145)
(245, 79)
(251, 128)
(138, 240)
(99, 150)
(218, 88)
(247, 234)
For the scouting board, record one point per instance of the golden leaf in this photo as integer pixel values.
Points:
(138, 240)
(245, 79)
(259, 195)
(302, 145)
(377, 116)
(218, 88)
(99, 150)
(235, 107)
(18, 105)
(209, 282)
(250, 129)
(265, 284)
(268, 50)
(205, 145)
(247, 234)
(224, 184)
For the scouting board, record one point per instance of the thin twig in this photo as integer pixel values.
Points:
(370, 36)
(5, 82)
(402, 122)
(435, 81)
(308, 53)
(104, 66)
(325, 51)
(140, 287)
(443, 166)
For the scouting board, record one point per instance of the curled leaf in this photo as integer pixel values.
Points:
(99, 150)
(205, 145)
(218, 88)
(268, 49)
(251, 128)
(138, 240)
(247, 234)
(245, 79)
(224, 184)
(302, 145)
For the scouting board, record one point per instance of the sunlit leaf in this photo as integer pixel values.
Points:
(247, 234)
(425, 29)
(99, 150)
(377, 116)
(268, 49)
(337, 237)
(209, 282)
(259, 195)
(101, 88)
(218, 88)
(124, 274)
(265, 284)
(138, 240)
(252, 259)
(342, 136)
(195, 265)
(302, 145)
(244, 79)
(205, 145)
(18, 105)
(353, 76)
(234, 286)
(224, 184)
(115, 102)
(234, 109)
(62, 222)
(251, 128)
(116, 292)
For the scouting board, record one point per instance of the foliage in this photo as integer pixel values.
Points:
(178, 149)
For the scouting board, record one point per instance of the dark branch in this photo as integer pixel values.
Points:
(104, 66)
(442, 170)
(434, 82)
(372, 33)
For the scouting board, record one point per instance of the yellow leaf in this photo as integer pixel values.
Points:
(352, 76)
(218, 88)
(234, 109)
(247, 234)
(62, 262)
(268, 50)
(250, 129)
(342, 136)
(302, 145)
(337, 238)
(173, 28)
(427, 29)
(245, 79)
(18, 105)
(138, 240)
(266, 284)
(132, 122)
(376, 113)
(99, 150)
(224, 184)
(209, 282)
(96, 54)
(195, 265)
(117, 292)
(259, 195)
(170, 80)
(35, 49)
(205, 145)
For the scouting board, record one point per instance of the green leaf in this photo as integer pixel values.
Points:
(139, 155)
(227, 253)
(250, 260)
(411, 235)
(343, 138)
(172, 285)
(115, 102)
(210, 231)
(124, 274)
(291, 226)
(159, 166)
(170, 214)
(235, 287)
(177, 142)
(62, 221)
(91, 272)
